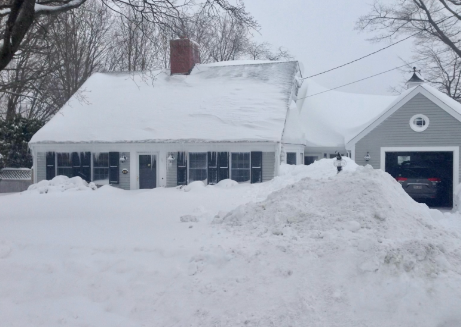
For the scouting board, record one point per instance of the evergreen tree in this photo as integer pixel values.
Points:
(15, 135)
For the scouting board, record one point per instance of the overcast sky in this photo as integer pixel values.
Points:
(321, 35)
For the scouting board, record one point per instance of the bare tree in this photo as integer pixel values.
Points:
(80, 40)
(17, 16)
(263, 51)
(438, 20)
(442, 68)
(28, 66)
(436, 28)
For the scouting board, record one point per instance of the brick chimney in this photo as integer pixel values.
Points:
(184, 54)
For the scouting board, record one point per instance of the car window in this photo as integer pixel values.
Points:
(417, 172)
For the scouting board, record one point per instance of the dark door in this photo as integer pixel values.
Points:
(147, 171)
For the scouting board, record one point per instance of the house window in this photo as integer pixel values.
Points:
(101, 168)
(197, 167)
(310, 159)
(419, 123)
(291, 158)
(64, 164)
(240, 166)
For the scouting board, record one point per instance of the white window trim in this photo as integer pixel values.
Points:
(454, 149)
(230, 165)
(419, 128)
(188, 166)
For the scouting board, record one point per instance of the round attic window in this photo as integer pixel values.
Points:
(419, 123)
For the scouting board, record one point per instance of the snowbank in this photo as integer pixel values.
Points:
(61, 184)
(381, 250)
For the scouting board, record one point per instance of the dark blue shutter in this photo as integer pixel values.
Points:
(114, 158)
(85, 171)
(223, 166)
(75, 164)
(256, 167)
(182, 168)
(212, 168)
(50, 165)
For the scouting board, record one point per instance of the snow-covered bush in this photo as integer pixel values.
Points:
(61, 184)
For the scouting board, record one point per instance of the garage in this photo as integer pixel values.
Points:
(427, 176)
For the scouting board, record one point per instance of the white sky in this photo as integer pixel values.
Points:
(320, 34)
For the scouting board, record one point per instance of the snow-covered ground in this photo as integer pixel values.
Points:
(310, 248)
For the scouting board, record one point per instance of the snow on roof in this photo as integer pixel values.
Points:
(244, 101)
(329, 119)
(452, 103)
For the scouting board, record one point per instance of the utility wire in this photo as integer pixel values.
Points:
(368, 55)
(387, 71)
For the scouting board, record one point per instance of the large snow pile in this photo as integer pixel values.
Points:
(362, 243)
(61, 183)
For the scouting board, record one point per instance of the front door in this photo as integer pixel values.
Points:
(147, 171)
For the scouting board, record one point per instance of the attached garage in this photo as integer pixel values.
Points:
(416, 140)
(427, 176)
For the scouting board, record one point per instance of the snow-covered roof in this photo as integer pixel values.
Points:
(234, 101)
(330, 119)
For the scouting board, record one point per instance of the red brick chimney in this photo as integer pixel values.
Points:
(184, 54)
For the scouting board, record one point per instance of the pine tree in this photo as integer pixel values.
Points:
(14, 137)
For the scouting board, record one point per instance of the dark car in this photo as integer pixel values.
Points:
(420, 180)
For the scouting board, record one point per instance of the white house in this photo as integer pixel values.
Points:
(237, 120)
(167, 128)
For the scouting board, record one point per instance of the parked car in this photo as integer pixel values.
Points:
(420, 180)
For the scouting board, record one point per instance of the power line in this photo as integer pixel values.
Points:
(387, 71)
(368, 55)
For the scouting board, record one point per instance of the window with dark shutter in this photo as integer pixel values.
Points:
(256, 167)
(182, 168)
(212, 168)
(114, 167)
(241, 169)
(101, 168)
(50, 165)
(291, 158)
(197, 166)
(223, 166)
(65, 165)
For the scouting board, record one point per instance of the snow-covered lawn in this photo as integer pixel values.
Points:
(326, 250)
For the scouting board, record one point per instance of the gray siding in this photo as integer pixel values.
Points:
(41, 166)
(124, 179)
(395, 131)
(268, 166)
(171, 171)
